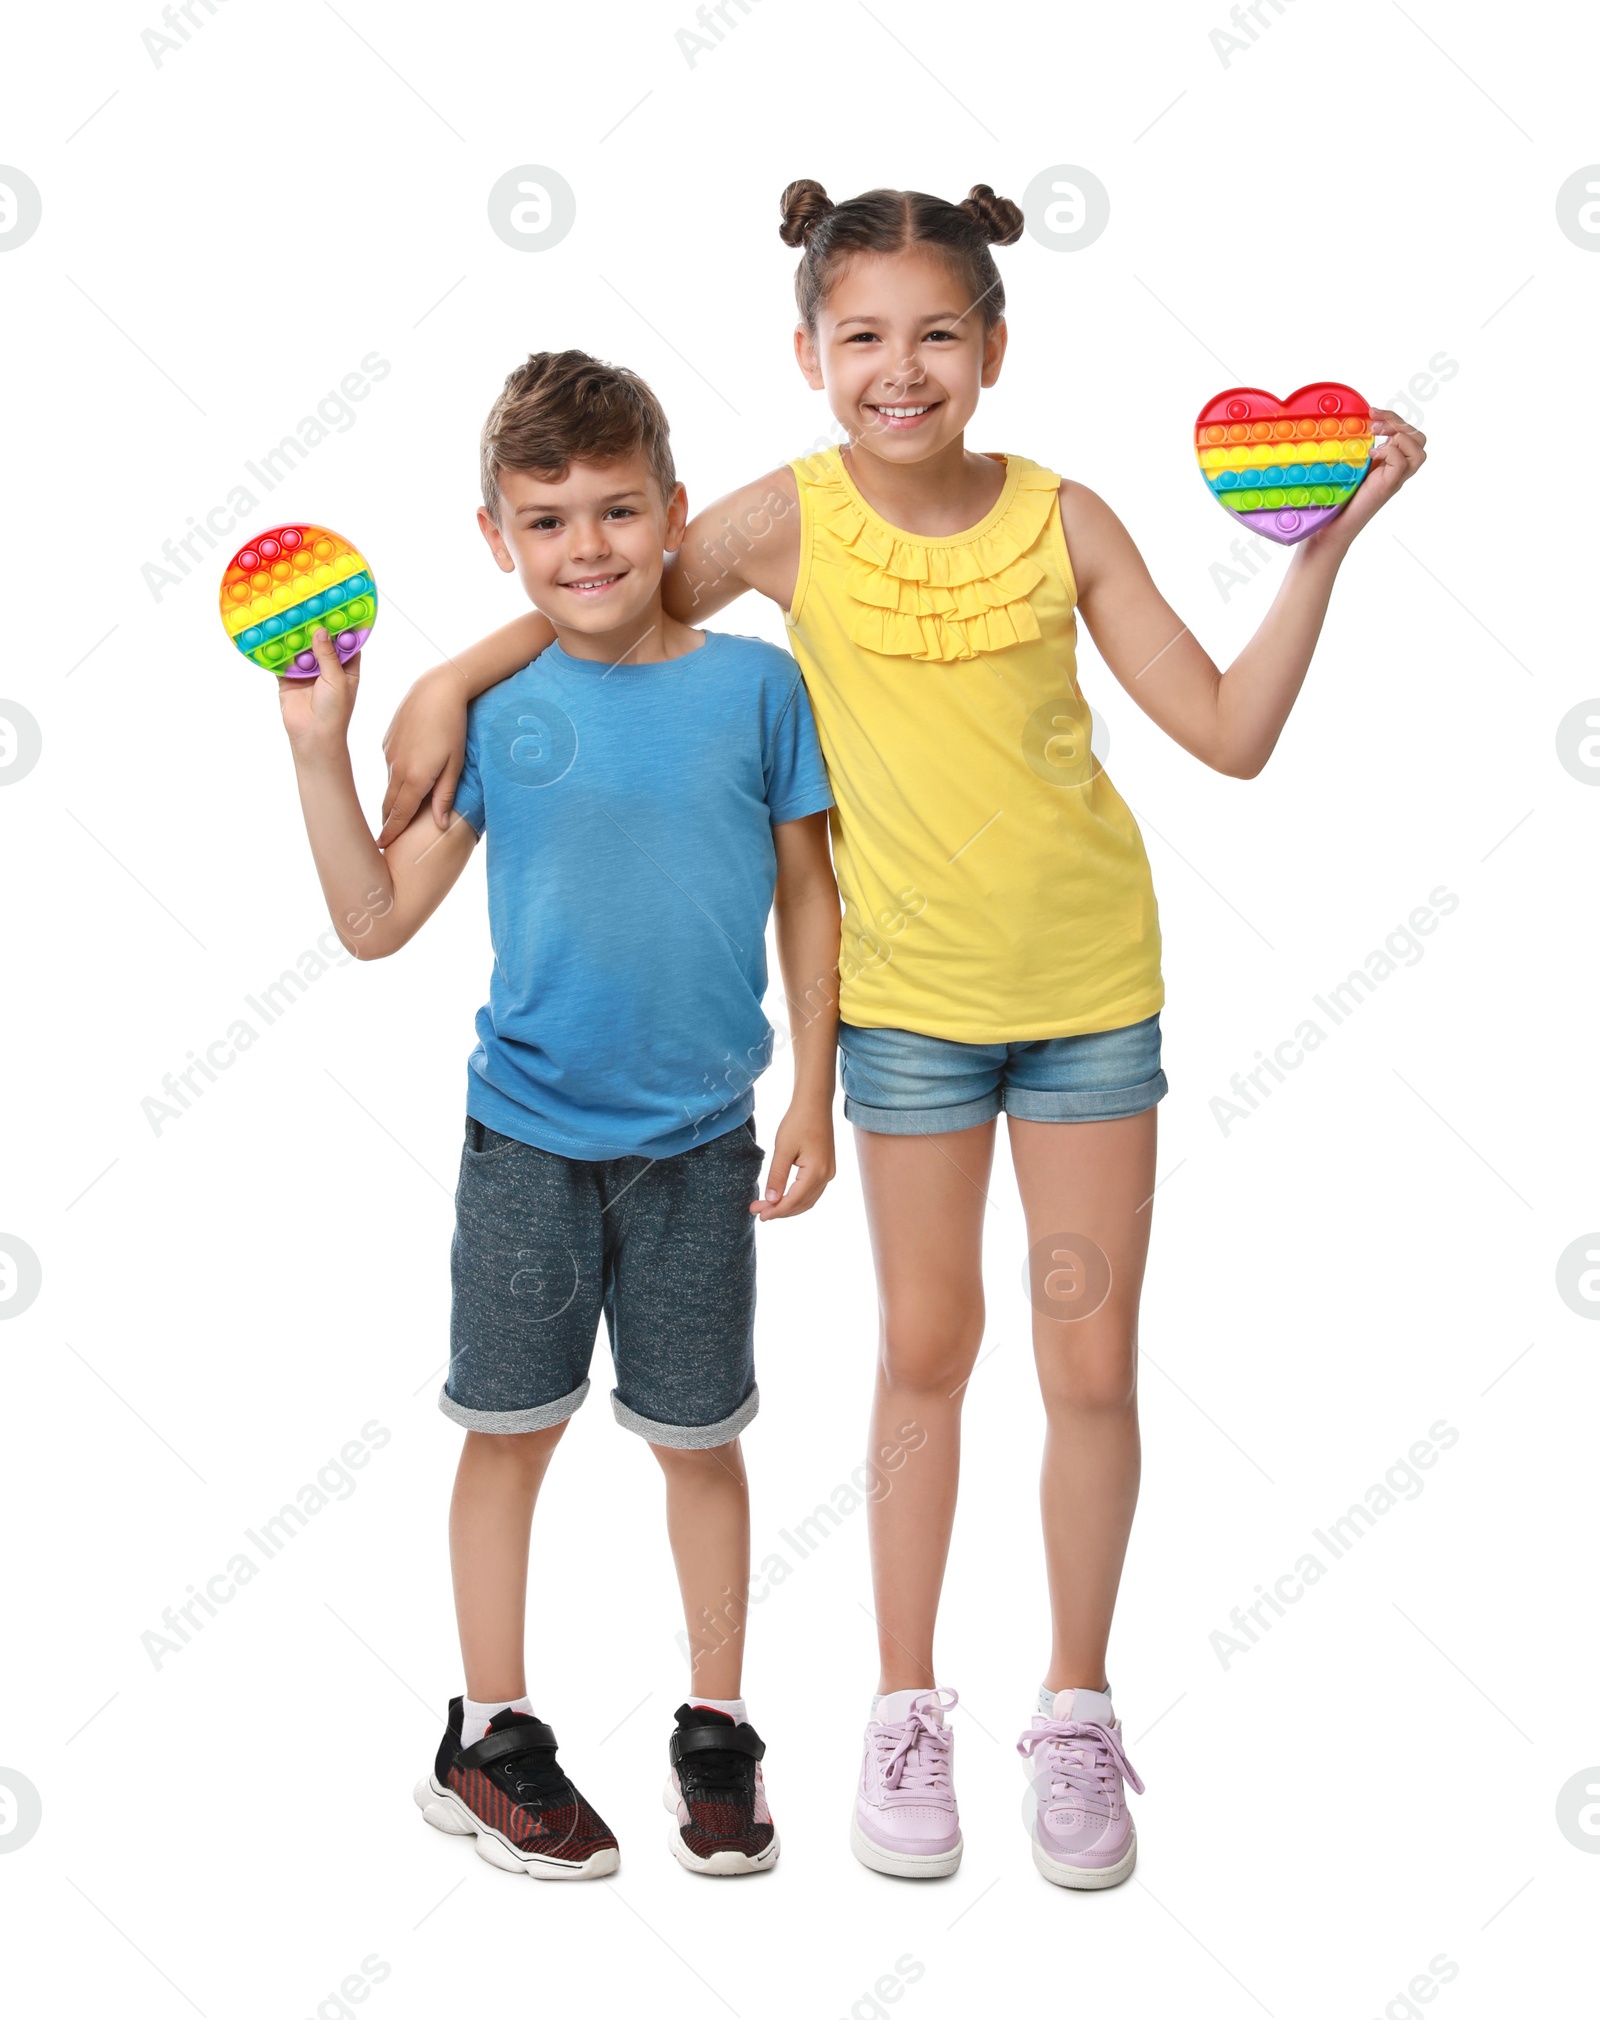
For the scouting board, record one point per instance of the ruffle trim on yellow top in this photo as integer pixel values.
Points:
(938, 598)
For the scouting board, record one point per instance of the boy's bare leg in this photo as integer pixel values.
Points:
(491, 1514)
(708, 1524)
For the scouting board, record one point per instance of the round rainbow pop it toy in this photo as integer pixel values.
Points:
(280, 586)
(1284, 466)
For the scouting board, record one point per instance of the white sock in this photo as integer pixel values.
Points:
(733, 1706)
(475, 1717)
(893, 1705)
(1047, 1698)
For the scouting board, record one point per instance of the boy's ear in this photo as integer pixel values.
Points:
(677, 519)
(994, 352)
(805, 352)
(496, 539)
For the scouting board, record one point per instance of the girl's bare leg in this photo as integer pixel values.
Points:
(1086, 1186)
(925, 1198)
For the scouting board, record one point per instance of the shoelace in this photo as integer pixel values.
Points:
(1082, 1757)
(533, 1778)
(717, 1773)
(538, 1779)
(914, 1752)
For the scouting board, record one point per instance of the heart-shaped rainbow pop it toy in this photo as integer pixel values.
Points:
(1285, 466)
(280, 586)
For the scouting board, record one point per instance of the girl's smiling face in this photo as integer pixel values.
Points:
(901, 353)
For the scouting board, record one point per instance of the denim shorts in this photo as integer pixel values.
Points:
(663, 1247)
(903, 1083)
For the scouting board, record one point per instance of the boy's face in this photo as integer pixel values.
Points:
(589, 546)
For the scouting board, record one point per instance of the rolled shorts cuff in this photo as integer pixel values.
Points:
(688, 1437)
(506, 1423)
(922, 1121)
(1094, 1104)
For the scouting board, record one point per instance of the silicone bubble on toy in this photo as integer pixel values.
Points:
(1285, 467)
(281, 585)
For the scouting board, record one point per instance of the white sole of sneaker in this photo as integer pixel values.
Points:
(720, 1865)
(1086, 1878)
(903, 1865)
(445, 1810)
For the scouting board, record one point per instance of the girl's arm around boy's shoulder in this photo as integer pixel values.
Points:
(749, 539)
(1230, 721)
(426, 742)
(376, 898)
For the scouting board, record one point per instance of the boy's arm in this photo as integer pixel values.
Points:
(748, 540)
(805, 910)
(376, 900)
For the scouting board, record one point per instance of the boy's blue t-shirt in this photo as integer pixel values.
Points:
(629, 812)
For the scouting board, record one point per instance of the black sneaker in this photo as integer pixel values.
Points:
(714, 1790)
(508, 1792)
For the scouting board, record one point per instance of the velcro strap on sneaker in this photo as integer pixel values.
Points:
(534, 1736)
(717, 1739)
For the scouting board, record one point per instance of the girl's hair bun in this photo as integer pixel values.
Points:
(805, 204)
(999, 219)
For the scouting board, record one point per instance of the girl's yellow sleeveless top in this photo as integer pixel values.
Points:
(995, 885)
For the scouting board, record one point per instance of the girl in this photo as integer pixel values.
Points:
(1001, 949)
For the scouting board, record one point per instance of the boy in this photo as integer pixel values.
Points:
(645, 788)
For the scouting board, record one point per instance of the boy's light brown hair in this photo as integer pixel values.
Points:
(563, 407)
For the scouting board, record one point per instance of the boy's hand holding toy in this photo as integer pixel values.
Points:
(316, 713)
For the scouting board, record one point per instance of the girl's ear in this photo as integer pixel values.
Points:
(496, 539)
(994, 352)
(805, 354)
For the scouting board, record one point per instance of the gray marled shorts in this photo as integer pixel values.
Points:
(664, 1247)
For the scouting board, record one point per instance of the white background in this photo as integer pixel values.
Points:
(226, 1303)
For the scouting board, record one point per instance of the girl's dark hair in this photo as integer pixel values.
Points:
(893, 220)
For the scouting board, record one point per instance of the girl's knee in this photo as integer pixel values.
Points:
(1090, 1374)
(930, 1350)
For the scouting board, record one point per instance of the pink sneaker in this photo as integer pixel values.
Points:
(905, 1821)
(1082, 1833)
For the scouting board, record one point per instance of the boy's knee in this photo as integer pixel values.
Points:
(514, 1449)
(701, 1462)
